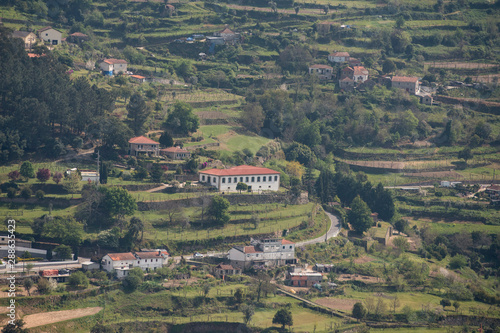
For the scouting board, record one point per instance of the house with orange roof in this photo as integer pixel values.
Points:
(121, 263)
(27, 37)
(226, 180)
(230, 37)
(142, 145)
(222, 270)
(175, 153)
(269, 252)
(358, 74)
(113, 66)
(338, 57)
(138, 78)
(408, 83)
(324, 72)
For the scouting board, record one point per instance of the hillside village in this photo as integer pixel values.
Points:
(204, 166)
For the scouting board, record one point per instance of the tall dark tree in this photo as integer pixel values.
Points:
(138, 113)
(218, 210)
(103, 173)
(325, 186)
(283, 317)
(359, 215)
(166, 140)
(384, 203)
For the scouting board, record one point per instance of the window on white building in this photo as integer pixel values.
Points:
(241, 179)
(203, 178)
(223, 180)
(275, 178)
(235, 179)
(246, 179)
(228, 179)
(264, 178)
(253, 179)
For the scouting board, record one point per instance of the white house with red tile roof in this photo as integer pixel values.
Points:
(175, 153)
(123, 262)
(324, 72)
(113, 66)
(257, 178)
(408, 83)
(141, 144)
(50, 35)
(338, 57)
(269, 252)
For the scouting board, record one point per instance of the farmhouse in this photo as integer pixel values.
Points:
(28, 38)
(346, 83)
(141, 144)
(77, 37)
(175, 153)
(138, 78)
(324, 72)
(408, 83)
(230, 37)
(113, 66)
(338, 57)
(220, 271)
(304, 279)
(356, 73)
(269, 252)
(123, 262)
(50, 35)
(257, 178)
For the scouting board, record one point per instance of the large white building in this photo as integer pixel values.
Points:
(123, 262)
(257, 178)
(269, 252)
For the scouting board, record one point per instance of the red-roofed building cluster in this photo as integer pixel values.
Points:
(266, 252)
(121, 263)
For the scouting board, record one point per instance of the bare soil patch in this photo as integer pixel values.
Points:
(212, 115)
(45, 318)
(344, 305)
(357, 277)
(363, 260)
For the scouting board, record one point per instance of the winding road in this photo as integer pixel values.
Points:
(332, 232)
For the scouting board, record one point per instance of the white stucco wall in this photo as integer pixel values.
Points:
(229, 183)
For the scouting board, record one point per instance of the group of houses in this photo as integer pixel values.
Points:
(122, 263)
(49, 36)
(141, 145)
(354, 75)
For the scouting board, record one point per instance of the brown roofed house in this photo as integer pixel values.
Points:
(175, 153)
(142, 145)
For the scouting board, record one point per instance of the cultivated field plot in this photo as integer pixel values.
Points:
(46, 318)
(344, 305)
(202, 96)
(437, 174)
(459, 65)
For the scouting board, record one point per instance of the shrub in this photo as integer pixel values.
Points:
(40, 194)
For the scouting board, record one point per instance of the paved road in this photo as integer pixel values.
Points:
(332, 232)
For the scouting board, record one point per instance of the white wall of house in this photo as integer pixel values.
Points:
(52, 36)
(135, 148)
(120, 68)
(336, 59)
(108, 264)
(360, 78)
(269, 182)
(106, 67)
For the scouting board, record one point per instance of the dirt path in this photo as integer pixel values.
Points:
(46, 318)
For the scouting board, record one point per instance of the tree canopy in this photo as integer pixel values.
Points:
(359, 215)
(181, 119)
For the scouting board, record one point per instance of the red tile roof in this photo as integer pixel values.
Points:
(284, 241)
(113, 61)
(321, 66)
(143, 140)
(250, 249)
(347, 79)
(122, 256)
(140, 77)
(174, 150)
(404, 79)
(226, 31)
(241, 170)
(340, 54)
(149, 254)
(78, 34)
(224, 267)
(360, 70)
(34, 55)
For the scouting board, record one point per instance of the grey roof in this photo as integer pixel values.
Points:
(20, 34)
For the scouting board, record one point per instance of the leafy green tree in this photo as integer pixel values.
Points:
(138, 113)
(456, 305)
(401, 225)
(72, 184)
(388, 66)
(14, 175)
(239, 295)
(401, 243)
(445, 302)
(28, 284)
(359, 215)
(466, 154)
(131, 283)
(358, 310)
(283, 317)
(63, 252)
(156, 173)
(295, 58)
(241, 187)
(182, 120)
(136, 227)
(325, 186)
(26, 192)
(56, 177)
(112, 132)
(166, 140)
(78, 279)
(117, 201)
(43, 286)
(253, 117)
(218, 210)
(248, 312)
(11, 193)
(140, 173)
(405, 124)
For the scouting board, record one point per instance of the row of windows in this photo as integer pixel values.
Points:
(246, 179)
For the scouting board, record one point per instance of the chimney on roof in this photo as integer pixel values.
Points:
(159, 252)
